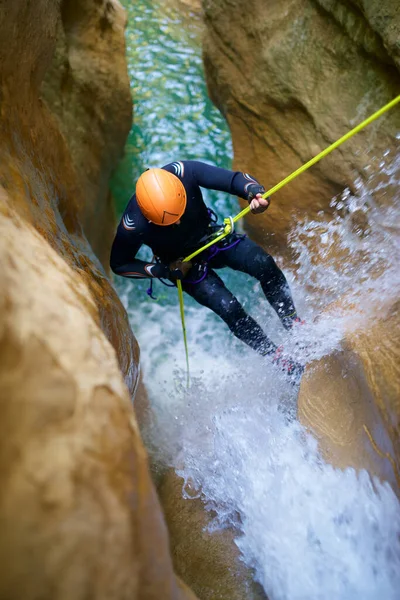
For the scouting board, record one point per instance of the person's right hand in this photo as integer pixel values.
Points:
(179, 269)
(259, 204)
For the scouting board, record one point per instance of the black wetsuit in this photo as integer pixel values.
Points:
(202, 282)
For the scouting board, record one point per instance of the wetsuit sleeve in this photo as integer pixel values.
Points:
(123, 262)
(215, 178)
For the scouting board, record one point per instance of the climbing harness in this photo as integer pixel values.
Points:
(229, 222)
(203, 268)
(214, 250)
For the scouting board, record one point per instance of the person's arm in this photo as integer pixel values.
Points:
(139, 269)
(123, 260)
(233, 182)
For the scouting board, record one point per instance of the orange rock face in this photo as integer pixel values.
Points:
(90, 97)
(208, 561)
(351, 400)
(78, 512)
(87, 88)
(37, 172)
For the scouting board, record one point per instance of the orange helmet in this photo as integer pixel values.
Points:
(161, 196)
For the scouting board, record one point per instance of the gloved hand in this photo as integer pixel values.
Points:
(258, 204)
(179, 269)
(160, 270)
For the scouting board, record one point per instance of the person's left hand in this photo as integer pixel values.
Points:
(179, 269)
(259, 204)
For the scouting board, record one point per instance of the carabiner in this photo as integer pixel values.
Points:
(229, 225)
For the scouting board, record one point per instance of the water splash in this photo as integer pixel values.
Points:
(308, 530)
(353, 258)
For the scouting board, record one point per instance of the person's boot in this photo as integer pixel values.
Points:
(290, 321)
(292, 369)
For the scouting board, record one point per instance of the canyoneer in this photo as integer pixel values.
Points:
(168, 214)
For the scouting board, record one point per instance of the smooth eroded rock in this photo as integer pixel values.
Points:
(78, 512)
(87, 88)
(79, 516)
(292, 77)
(350, 400)
(36, 169)
(208, 561)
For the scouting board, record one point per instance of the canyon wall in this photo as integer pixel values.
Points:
(86, 88)
(351, 399)
(78, 512)
(293, 76)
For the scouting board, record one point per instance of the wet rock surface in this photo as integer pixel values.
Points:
(78, 511)
(351, 400)
(209, 561)
(293, 77)
(87, 89)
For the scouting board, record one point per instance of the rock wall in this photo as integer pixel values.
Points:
(208, 561)
(36, 167)
(87, 89)
(291, 77)
(78, 512)
(351, 400)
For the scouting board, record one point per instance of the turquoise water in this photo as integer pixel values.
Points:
(173, 117)
(309, 530)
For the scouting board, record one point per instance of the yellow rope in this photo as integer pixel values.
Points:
(226, 230)
(182, 310)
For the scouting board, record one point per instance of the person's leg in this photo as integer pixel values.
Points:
(212, 293)
(250, 258)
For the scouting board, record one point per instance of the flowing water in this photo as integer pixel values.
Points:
(310, 531)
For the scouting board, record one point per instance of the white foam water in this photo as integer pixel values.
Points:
(309, 531)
